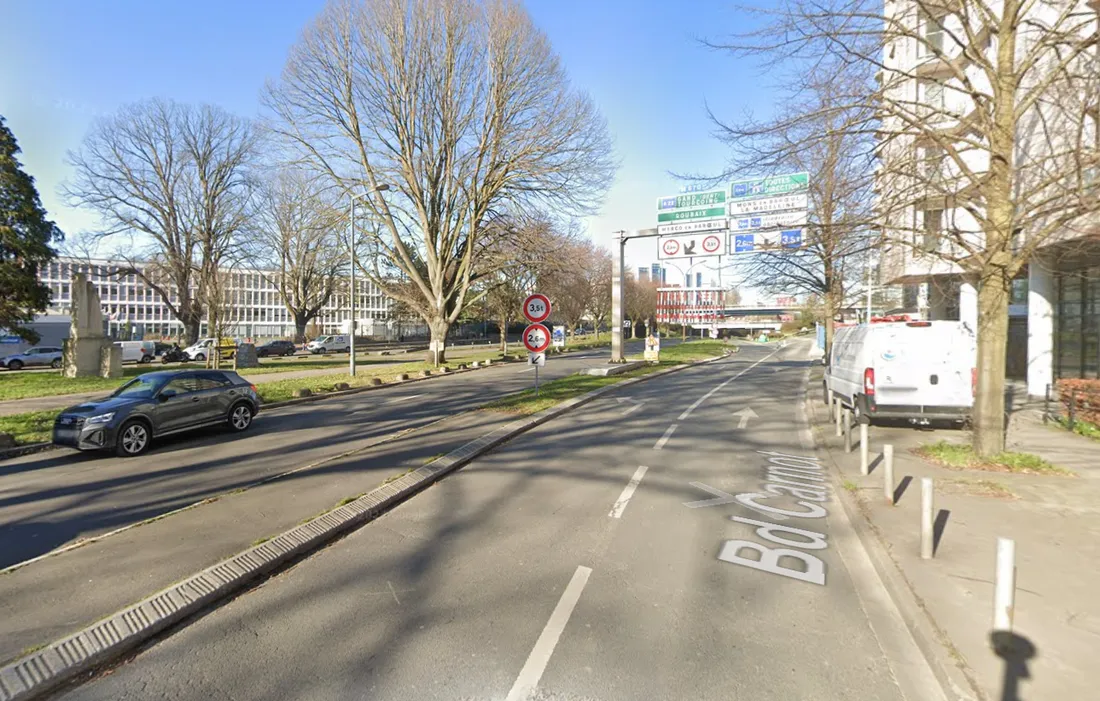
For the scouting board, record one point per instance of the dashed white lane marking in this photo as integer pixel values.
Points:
(700, 400)
(624, 498)
(664, 439)
(531, 673)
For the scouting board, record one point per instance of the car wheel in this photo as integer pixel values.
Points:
(15, 365)
(240, 417)
(201, 357)
(133, 439)
(56, 363)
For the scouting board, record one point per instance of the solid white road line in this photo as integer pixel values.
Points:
(700, 400)
(531, 673)
(664, 439)
(624, 498)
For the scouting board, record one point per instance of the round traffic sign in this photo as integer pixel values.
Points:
(536, 308)
(670, 246)
(711, 244)
(536, 338)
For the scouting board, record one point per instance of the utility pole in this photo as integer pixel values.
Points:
(617, 264)
(351, 292)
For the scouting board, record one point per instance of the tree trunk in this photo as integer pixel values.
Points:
(989, 400)
(504, 335)
(300, 324)
(191, 326)
(437, 345)
(830, 324)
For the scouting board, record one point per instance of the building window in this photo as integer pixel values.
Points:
(931, 230)
(932, 95)
(932, 161)
(931, 29)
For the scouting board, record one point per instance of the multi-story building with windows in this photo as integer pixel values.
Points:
(255, 308)
(932, 150)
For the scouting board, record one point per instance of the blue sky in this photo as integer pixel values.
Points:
(66, 61)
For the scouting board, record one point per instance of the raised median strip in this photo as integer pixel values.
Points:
(117, 634)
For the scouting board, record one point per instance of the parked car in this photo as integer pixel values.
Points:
(157, 404)
(202, 349)
(37, 356)
(273, 348)
(916, 370)
(329, 344)
(137, 351)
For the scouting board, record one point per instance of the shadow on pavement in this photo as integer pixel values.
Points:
(1015, 650)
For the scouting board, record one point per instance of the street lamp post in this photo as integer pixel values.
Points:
(351, 292)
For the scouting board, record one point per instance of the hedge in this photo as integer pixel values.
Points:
(1081, 399)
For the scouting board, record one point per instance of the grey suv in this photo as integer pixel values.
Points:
(156, 404)
(39, 355)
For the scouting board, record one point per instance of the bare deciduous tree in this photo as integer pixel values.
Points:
(987, 119)
(639, 302)
(173, 179)
(463, 110)
(294, 238)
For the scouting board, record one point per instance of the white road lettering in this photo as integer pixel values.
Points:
(768, 530)
(770, 560)
(813, 510)
(624, 498)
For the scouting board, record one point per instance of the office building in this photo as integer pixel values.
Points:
(657, 273)
(643, 274)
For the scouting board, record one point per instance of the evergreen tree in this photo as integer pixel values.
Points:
(25, 237)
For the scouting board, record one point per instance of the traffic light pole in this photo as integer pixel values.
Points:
(617, 279)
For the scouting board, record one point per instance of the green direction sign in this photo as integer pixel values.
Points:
(691, 200)
(768, 187)
(687, 214)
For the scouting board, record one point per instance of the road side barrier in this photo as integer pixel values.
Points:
(1004, 587)
(927, 498)
(837, 417)
(832, 403)
(888, 472)
(864, 449)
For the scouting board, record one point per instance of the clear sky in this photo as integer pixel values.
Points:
(62, 62)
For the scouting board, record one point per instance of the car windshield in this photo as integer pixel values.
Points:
(144, 386)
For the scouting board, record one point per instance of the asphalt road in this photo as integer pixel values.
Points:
(596, 557)
(53, 498)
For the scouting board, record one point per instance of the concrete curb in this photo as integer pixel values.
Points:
(27, 449)
(930, 639)
(121, 632)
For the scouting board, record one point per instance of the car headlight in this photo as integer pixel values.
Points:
(100, 418)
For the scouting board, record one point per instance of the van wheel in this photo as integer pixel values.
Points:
(145, 359)
(201, 357)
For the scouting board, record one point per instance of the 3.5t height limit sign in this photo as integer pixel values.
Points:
(536, 337)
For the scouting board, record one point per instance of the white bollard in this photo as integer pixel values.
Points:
(1004, 587)
(847, 431)
(837, 417)
(864, 450)
(888, 472)
(832, 404)
(926, 507)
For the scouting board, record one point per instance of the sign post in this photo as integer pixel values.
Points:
(536, 337)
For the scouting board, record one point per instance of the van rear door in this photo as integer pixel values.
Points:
(925, 364)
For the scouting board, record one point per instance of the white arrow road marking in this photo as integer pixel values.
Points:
(531, 673)
(745, 414)
(700, 400)
(722, 498)
(620, 505)
(637, 404)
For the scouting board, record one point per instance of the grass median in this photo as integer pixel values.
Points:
(36, 426)
(557, 391)
(959, 456)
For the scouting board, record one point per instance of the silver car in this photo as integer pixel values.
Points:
(39, 355)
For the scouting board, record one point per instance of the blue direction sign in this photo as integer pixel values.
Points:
(792, 238)
(743, 243)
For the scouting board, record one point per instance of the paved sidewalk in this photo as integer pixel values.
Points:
(1055, 522)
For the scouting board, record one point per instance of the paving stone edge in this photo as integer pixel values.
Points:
(954, 675)
(119, 633)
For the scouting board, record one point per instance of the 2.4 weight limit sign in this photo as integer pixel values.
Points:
(536, 308)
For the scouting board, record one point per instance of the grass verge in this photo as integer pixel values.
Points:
(30, 427)
(557, 391)
(981, 488)
(1082, 428)
(961, 457)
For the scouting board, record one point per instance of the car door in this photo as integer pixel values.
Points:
(178, 404)
(217, 392)
(33, 356)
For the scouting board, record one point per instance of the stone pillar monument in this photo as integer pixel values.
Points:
(88, 352)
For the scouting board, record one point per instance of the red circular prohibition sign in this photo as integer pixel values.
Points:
(536, 338)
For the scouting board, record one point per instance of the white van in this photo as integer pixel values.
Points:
(916, 370)
(137, 351)
(329, 344)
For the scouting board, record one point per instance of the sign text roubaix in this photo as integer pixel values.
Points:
(691, 246)
(781, 203)
(692, 206)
